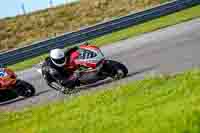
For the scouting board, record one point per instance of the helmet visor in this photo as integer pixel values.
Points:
(59, 61)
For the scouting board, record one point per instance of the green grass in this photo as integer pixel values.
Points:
(149, 26)
(167, 104)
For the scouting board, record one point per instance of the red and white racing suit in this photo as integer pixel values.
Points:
(59, 77)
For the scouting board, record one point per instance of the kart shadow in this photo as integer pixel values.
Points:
(107, 81)
(12, 97)
(6, 96)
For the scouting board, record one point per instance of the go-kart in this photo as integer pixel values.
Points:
(10, 84)
(93, 66)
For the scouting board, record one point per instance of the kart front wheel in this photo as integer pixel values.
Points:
(25, 89)
(115, 69)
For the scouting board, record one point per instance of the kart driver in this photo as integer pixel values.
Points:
(59, 69)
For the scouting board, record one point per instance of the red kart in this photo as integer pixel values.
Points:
(10, 83)
(93, 66)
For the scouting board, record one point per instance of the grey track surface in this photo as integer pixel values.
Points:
(170, 50)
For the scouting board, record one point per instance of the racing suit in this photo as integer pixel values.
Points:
(60, 78)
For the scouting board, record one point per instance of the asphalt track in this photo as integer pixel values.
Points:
(169, 50)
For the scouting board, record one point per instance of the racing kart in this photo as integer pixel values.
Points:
(10, 84)
(93, 66)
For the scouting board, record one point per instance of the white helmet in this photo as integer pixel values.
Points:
(58, 57)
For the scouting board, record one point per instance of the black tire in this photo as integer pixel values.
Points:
(24, 89)
(115, 69)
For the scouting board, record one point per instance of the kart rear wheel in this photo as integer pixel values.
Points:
(116, 69)
(25, 89)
